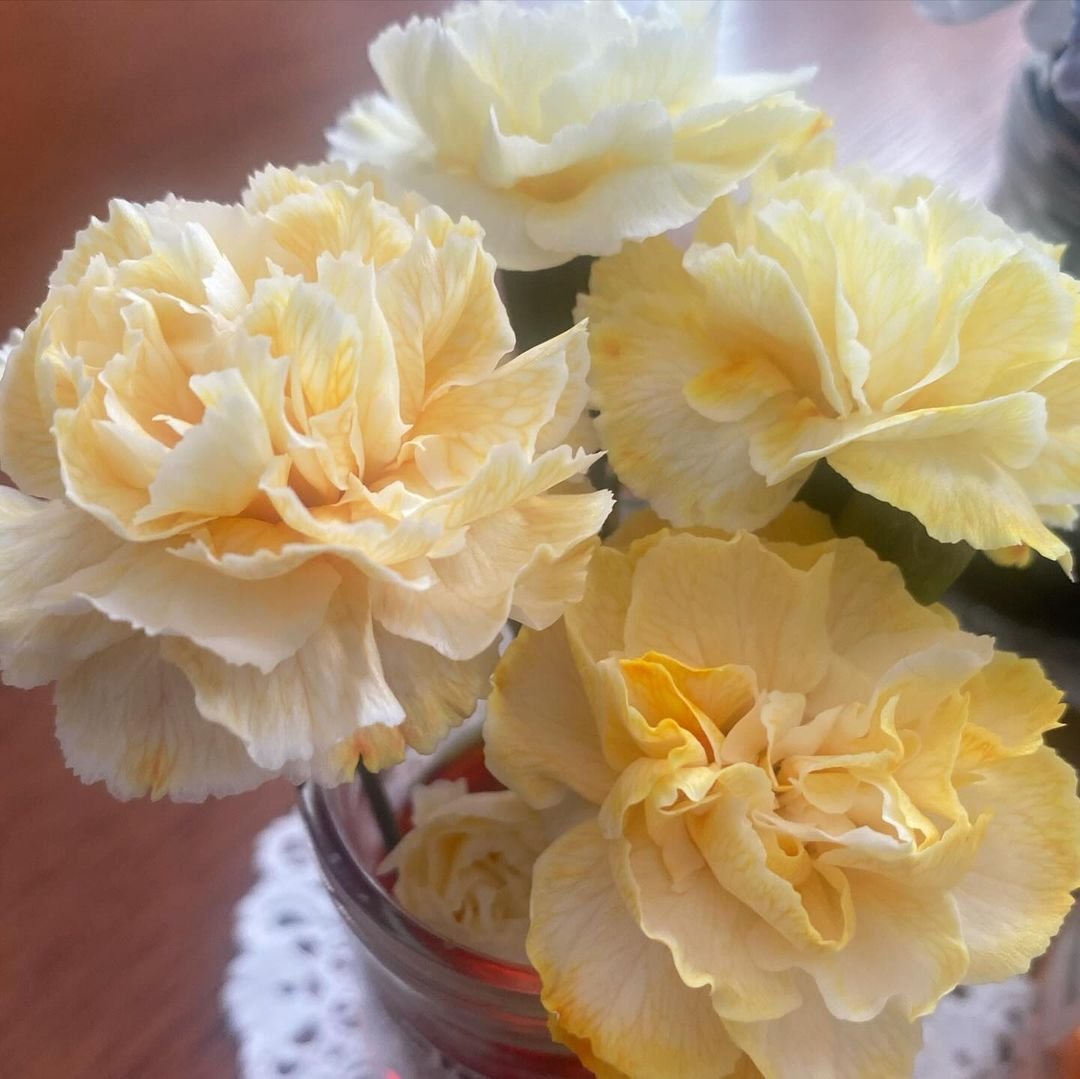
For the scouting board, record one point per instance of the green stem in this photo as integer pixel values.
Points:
(380, 807)
(826, 490)
(929, 566)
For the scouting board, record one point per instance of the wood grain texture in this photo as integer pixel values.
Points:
(115, 918)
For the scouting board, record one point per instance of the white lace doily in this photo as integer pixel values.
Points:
(296, 1000)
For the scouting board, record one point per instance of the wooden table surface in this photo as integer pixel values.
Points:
(115, 919)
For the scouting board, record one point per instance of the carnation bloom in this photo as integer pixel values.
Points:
(906, 336)
(465, 868)
(279, 494)
(819, 806)
(567, 128)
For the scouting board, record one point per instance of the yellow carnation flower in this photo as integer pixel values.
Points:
(819, 806)
(567, 128)
(465, 868)
(908, 337)
(279, 494)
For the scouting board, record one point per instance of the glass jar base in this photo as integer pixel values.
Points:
(433, 1002)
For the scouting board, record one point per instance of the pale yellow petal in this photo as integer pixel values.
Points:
(1014, 703)
(27, 452)
(907, 947)
(42, 544)
(245, 547)
(444, 313)
(714, 603)
(800, 524)
(571, 417)
(332, 217)
(810, 1043)
(506, 477)
(465, 867)
(528, 561)
(595, 625)
(731, 846)
(521, 534)
(1008, 431)
(457, 430)
(645, 349)
(113, 497)
(701, 703)
(638, 267)
(308, 703)
(582, 1049)
(244, 621)
(409, 59)
(1018, 892)
(124, 235)
(1014, 333)
(272, 185)
(555, 578)
(215, 468)
(354, 283)
(536, 688)
(129, 718)
(711, 936)
(605, 981)
(957, 493)
(45, 645)
(1054, 476)
(876, 626)
(186, 263)
(437, 694)
(755, 311)
(892, 297)
(650, 194)
(375, 544)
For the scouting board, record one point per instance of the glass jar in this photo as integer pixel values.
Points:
(432, 1008)
(436, 1008)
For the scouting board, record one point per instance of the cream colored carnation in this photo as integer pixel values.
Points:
(279, 492)
(465, 868)
(908, 337)
(567, 128)
(819, 806)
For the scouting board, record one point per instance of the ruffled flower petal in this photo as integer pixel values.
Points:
(812, 1044)
(128, 717)
(567, 129)
(465, 867)
(308, 702)
(283, 441)
(749, 608)
(27, 452)
(48, 542)
(903, 335)
(1009, 912)
(537, 688)
(823, 804)
(606, 981)
(437, 694)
